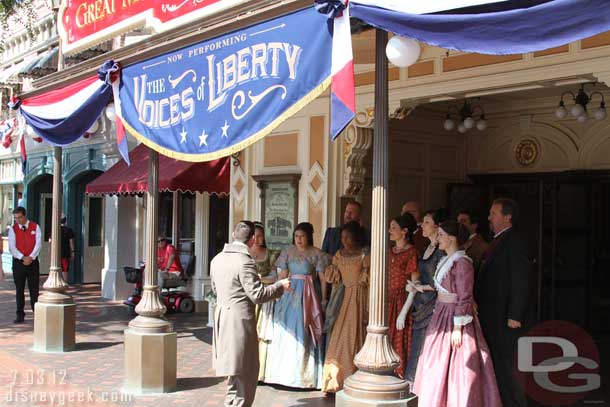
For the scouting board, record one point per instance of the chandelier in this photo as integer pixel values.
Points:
(469, 116)
(579, 109)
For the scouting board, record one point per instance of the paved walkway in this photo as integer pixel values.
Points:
(92, 375)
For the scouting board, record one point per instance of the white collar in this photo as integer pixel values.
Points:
(27, 225)
(445, 265)
(502, 231)
(472, 236)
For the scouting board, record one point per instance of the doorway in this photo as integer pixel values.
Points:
(39, 201)
(85, 215)
(565, 220)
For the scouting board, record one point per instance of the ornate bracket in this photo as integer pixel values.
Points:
(357, 142)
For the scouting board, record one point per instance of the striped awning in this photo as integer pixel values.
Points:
(8, 75)
(43, 64)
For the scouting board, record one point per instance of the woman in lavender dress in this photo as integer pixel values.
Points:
(455, 367)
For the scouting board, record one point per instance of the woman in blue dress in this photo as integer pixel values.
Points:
(296, 352)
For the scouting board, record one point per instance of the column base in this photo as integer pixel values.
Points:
(54, 327)
(200, 307)
(377, 387)
(343, 400)
(150, 362)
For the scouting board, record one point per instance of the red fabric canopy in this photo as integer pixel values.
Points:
(174, 175)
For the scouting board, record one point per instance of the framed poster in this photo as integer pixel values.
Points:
(279, 207)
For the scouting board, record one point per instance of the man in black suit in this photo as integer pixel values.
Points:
(332, 237)
(502, 296)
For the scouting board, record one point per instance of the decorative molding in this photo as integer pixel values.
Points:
(237, 175)
(316, 171)
(527, 152)
(357, 141)
(365, 118)
(603, 77)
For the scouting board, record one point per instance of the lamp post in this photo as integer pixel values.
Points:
(150, 341)
(374, 384)
(55, 311)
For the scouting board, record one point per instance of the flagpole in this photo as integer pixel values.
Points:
(55, 311)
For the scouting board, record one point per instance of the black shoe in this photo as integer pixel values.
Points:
(19, 320)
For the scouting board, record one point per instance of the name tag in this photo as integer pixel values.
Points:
(34, 232)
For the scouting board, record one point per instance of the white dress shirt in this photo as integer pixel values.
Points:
(502, 231)
(12, 243)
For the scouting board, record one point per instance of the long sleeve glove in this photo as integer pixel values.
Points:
(402, 317)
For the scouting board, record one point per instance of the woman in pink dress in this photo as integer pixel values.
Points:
(455, 368)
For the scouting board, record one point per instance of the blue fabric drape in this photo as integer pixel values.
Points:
(548, 25)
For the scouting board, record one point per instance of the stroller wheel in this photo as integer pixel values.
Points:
(187, 305)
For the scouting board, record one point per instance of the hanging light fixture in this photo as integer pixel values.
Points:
(465, 118)
(579, 109)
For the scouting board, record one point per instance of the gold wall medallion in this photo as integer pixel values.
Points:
(527, 152)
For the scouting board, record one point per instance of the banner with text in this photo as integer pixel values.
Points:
(217, 97)
(85, 23)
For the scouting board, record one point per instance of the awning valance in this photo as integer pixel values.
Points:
(174, 175)
(42, 65)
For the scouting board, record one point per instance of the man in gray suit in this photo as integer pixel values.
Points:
(238, 288)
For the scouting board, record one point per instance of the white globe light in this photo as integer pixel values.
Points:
(461, 128)
(110, 113)
(561, 112)
(577, 110)
(583, 118)
(482, 125)
(601, 114)
(469, 123)
(93, 127)
(402, 51)
(449, 124)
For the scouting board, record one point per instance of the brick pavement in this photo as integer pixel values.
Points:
(94, 371)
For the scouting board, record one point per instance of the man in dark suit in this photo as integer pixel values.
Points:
(332, 237)
(476, 246)
(502, 296)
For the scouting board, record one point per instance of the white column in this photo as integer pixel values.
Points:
(119, 243)
(176, 220)
(201, 279)
(111, 245)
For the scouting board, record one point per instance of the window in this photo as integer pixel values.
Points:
(96, 222)
(6, 207)
(187, 216)
(166, 205)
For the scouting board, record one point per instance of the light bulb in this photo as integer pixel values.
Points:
(461, 128)
(449, 124)
(402, 51)
(577, 110)
(583, 118)
(601, 113)
(469, 122)
(482, 125)
(561, 112)
(110, 113)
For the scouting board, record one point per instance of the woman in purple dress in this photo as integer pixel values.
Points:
(455, 367)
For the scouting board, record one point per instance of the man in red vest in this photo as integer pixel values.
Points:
(24, 242)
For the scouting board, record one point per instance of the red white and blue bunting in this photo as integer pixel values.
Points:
(207, 100)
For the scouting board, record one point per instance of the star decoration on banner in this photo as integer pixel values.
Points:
(203, 139)
(224, 130)
(183, 134)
